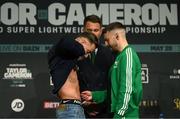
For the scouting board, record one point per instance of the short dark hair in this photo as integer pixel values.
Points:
(92, 18)
(112, 26)
(90, 36)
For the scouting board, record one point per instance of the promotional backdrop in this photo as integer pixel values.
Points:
(29, 29)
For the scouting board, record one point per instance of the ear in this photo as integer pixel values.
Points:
(117, 36)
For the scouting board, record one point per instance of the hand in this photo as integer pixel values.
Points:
(87, 103)
(86, 95)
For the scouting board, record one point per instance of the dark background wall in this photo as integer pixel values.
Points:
(29, 28)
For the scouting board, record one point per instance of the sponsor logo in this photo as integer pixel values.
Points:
(17, 105)
(161, 48)
(17, 73)
(77, 101)
(149, 103)
(145, 73)
(25, 48)
(65, 101)
(176, 74)
(177, 103)
(50, 105)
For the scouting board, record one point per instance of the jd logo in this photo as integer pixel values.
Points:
(17, 105)
(177, 103)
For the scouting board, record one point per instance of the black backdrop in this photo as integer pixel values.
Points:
(152, 29)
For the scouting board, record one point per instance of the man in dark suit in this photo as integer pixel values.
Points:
(93, 72)
(62, 59)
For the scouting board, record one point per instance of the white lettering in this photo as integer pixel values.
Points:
(166, 15)
(116, 13)
(27, 13)
(75, 14)
(132, 14)
(20, 29)
(9, 16)
(150, 14)
(129, 14)
(12, 14)
(53, 14)
(102, 11)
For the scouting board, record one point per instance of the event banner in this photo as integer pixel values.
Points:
(29, 28)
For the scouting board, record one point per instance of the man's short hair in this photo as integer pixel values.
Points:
(92, 18)
(113, 26)
(90, 36)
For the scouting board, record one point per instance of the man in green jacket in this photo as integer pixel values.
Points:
(125, 73)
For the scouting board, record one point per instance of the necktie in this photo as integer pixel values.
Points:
(92, 57)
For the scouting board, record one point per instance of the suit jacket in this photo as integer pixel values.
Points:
(94, 77)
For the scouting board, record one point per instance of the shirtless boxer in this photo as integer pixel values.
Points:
(62, 59)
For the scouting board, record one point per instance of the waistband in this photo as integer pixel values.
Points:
(70, 101)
